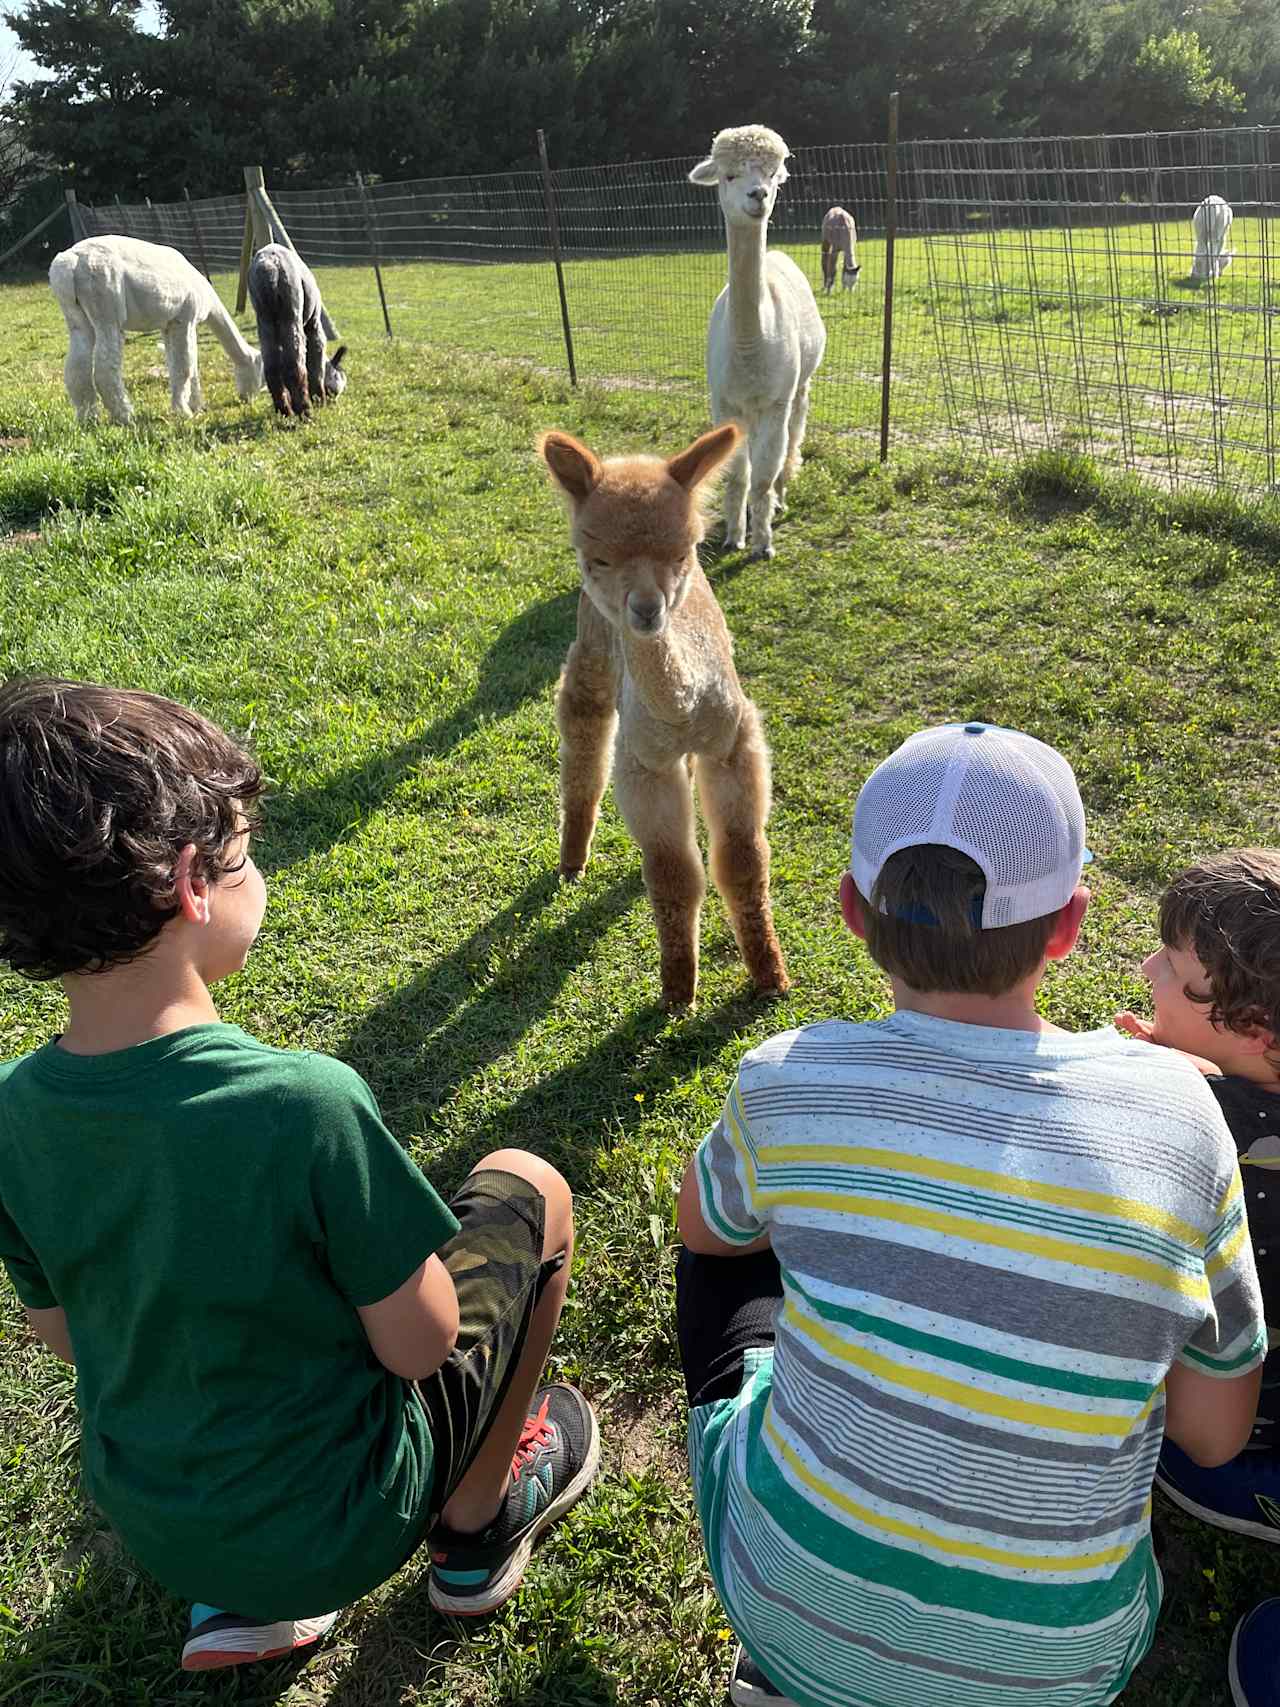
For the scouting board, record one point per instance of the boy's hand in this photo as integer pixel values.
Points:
(1133, 1025)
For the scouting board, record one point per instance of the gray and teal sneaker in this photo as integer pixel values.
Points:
(554, 1464)
(218, 1638)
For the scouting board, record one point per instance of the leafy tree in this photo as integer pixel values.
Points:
(1173, 87)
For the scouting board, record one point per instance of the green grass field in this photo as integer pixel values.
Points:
(1084, 338)
(380, 602)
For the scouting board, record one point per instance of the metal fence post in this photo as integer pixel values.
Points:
(553, 225)
(371, 231)
(890, 240)
(195, 233)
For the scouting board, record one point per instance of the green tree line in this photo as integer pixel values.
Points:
(316, 89)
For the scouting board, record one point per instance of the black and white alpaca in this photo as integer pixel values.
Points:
(286, 300)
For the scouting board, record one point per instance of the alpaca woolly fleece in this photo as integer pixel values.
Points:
(731, 149)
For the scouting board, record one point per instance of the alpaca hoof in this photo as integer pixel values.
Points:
(571, 873)
(774, 985)
(733, 542)
(678, 1006)
(762, 552)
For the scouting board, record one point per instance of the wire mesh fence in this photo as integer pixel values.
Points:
(1048, 291)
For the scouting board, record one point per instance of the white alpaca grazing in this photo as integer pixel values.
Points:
(766, 336)
(839, 237)
(1210, 224)
(107, 286)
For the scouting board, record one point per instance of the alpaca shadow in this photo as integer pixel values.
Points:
(522, 663)
(417, 1048)
(421, 1045)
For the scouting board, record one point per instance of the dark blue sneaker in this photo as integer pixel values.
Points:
(1242, 1496)
(749, 1687)
(1254, 1666)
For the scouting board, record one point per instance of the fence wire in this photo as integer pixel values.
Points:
(1047, 290)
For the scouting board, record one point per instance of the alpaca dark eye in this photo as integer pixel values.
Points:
(731, 177)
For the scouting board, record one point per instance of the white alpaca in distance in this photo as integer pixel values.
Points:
(765, 338)
(107, 286)
(1210, 224)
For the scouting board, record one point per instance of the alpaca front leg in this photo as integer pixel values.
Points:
(586, 712)
(828, 267)
(735, 501)
(735, 802)
(315, 362)
(77, 374)
(108, 373)
(658, 809)
(795, 438)
(180, 359)
(768, 451)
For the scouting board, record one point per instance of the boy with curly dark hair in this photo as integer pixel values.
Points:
(1215, 988)
(294, 1361)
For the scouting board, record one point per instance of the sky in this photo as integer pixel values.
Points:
(26, 68)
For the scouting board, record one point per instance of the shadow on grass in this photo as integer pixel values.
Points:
(406, 1648)
(521, 664)
(456, 1019)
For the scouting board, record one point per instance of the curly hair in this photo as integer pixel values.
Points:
(100, 790)
(1226, 911)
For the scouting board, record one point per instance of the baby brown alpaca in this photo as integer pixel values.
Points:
(653, 646)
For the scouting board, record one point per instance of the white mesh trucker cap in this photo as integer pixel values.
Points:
(1007, 800)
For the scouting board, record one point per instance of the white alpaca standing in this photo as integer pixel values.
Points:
(765, 338)
(839, 237)
(1210, 224)
(107, 286)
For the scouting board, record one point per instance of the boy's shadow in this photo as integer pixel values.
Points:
(521, 664)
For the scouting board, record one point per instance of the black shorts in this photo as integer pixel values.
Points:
(495, 1261)
(725, 1306)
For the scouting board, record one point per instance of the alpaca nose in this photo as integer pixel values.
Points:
(645, 613)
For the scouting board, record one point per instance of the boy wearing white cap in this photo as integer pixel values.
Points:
(949, 1277)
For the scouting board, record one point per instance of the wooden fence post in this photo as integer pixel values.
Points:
(890, 240)
(76, 217)
(371, 230)
(553, 225)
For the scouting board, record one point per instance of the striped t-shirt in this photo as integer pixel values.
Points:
(937, 1487)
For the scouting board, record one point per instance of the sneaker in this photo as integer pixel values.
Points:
(1242, 1496)
(225, 1639)
(555, 1462)
(1253, 1668)
(749, 1687)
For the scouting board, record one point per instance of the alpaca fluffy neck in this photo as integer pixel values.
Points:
(746, 282)
(227, 333)
(668, 672)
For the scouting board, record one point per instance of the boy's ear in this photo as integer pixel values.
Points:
(575, 469)
(851, 906)
(1066, 927)
(190, 891)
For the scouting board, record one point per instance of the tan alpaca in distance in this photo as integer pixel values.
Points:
(654, 661)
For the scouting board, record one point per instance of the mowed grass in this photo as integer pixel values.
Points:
(1086, 337)
(379, 602)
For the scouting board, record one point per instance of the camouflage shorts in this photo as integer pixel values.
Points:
(496, 1263)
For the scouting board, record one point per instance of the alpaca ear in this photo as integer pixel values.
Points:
(335, 360)
(705, 455)
(575, 469)
(705, 172)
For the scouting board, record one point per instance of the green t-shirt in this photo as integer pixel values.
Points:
(209, 1212)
